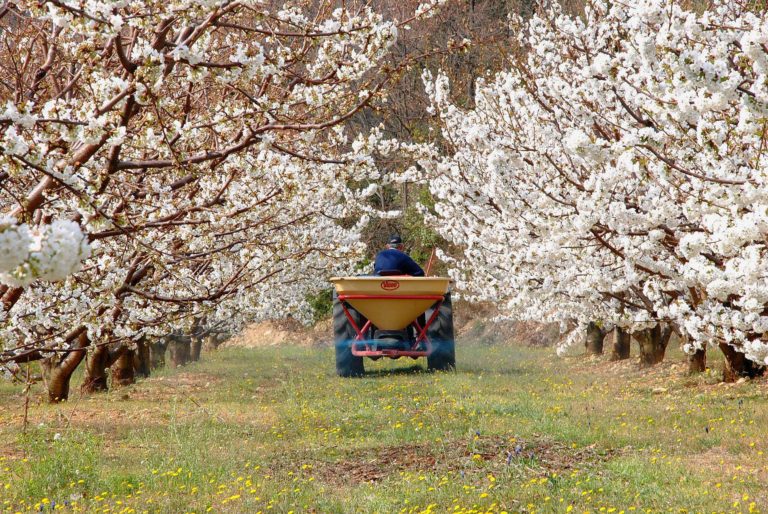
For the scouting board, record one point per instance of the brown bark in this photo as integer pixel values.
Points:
(60, 367)
(10, 297)
(737, 365)
(95, 378)
(195, 348)
(594, 339)
(122, 369)
(179, 347)
(96, 365)
(141, 358)
(653, 343)
(157, 353)
(697, 361)
(214, 339)
(197, 334)
(620, 349)
(210, 343)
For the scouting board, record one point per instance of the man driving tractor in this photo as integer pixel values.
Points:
(407, 315)
(394, 261)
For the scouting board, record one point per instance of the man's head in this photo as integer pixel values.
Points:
(395, 242)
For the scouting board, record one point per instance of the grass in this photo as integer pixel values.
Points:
(273, 430)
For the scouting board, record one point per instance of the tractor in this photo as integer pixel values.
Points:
(392, 316)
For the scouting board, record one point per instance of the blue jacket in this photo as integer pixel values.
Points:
(395, 260)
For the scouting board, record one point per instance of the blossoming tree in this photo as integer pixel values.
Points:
(200, 148)
(616, 173)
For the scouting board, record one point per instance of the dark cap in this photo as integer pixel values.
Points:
(394, 239)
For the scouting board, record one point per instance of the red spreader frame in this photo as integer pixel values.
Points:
(421, 332)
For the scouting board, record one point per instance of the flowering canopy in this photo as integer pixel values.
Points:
(617, 172)
(198, 145)
(49, 252)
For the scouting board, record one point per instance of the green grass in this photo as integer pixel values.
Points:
(273, 430)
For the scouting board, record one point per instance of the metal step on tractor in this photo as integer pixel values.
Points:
(392, 316)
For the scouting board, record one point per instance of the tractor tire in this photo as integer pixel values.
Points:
(440, 334)
(347, 365)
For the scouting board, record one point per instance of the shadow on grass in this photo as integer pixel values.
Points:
(464, 370)
(410, 370)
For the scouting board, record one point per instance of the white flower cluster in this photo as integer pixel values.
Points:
(618, 172)
(50, 252)
(15, 243)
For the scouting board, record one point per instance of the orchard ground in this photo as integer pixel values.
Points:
(515, 429)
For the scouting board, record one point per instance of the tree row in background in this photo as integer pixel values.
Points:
(172, 170)
(614, 175)
(184, 163)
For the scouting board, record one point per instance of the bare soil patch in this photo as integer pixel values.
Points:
(167, 387)
(481, 323)
(282, 332)
(535, 458)
(11, 452)
(488, 331)
(377, 465)
(720, 464)
(670, 376)
(115, 413)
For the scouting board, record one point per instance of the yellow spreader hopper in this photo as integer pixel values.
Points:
(391, 303)
(392, 316)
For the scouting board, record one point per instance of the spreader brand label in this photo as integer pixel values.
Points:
(390, 285)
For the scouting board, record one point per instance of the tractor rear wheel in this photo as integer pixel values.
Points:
(347, 365)
(440, 334)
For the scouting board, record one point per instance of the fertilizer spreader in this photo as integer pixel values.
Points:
(392, 316)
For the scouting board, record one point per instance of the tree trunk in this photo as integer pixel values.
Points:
(697, 361)
(214, 340)
(620, 349)
(653, 343)
(179, 347)
(102, 357)
(195, 347)
(60, 368)
(141, 359)
(210, 343)
(737, 365)
(95, 378)
(197, 334)
(594, 339)
(157, 353)
(122, 369)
